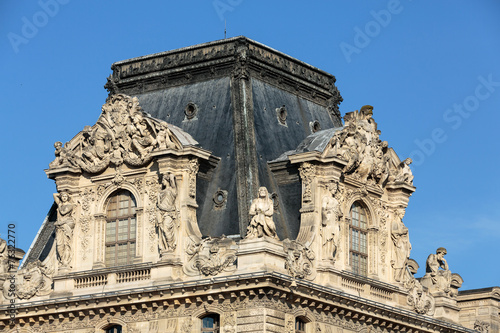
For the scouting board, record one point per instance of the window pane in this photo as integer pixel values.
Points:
(111, 231)
(208, 322)
(120, 229)
(358, 239)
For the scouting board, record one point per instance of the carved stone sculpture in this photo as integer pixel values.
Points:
(261, 211)
(358, 143)
(33, 280)
(164, 137)
(438, 274)
(211, 256)
(330, 225)
(123, 133)
(481, 326)
(420, 300)
(402, 247)
(64, 229)
(168, 215)
(405, 175)
(299, 260)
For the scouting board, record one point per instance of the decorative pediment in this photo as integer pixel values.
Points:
(357, 148)
(123, 134)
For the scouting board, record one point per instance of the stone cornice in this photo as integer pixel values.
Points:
(218, 59)
(274, 286)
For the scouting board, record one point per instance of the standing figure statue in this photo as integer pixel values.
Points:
(167, 220)
(437, 273)
(330, 226)
(262, 211)
(64, 229)
(402, 247)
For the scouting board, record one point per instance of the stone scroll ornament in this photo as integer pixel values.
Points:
(299, 260)
(211, 256)
(35, 279)
(64, 229)
(367, 156)
(122, 134)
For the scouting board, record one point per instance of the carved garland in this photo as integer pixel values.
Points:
(307, 172)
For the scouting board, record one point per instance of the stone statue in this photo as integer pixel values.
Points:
(262, 211)
(142, 139)
(164, 137)
(402, 247)
(405, 175)
(437, 273)
(330, 226)
(64, 229)
(168, 215)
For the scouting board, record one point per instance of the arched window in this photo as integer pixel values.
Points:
(210, 323)
(300, 325)
(114, 329)
(120, 229)
(358, 234)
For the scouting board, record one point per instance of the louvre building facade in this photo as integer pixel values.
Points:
(220, 190)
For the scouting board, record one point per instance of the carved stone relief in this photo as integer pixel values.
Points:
(194, 165)
(481, 326)
(299, 260)
(307, 173)
(152, 189)
(418, 299)
(210, 256)
(368, 157)
(123, 134)
(35, 279)
(86, 199)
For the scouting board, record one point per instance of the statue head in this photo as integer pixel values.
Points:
(163, 125)
(58, 145)
(263, 192)
(64, 197)
(367, 111)
(441, 250)
(408, 161)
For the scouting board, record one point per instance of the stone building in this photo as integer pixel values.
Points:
(220, 191)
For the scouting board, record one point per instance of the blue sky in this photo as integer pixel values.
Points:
(429, 68)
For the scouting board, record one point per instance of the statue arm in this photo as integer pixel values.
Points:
(56, 198)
